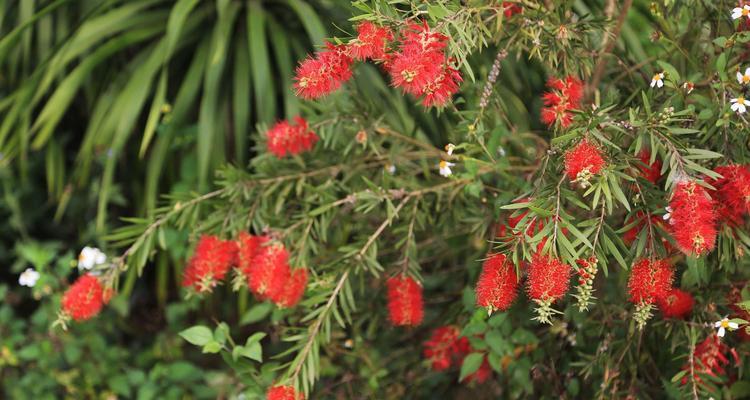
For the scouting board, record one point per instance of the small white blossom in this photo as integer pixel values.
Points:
(741, 12)
(658, 80)
(668, 215)
(28, 277)
(501, 151)
(390, 168)
(740, 104)
(723, 325)
(445, 168)
(743, 79)
(688, 86)
(90, 257)
(449, 148)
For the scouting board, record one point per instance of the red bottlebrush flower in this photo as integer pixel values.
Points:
(710, 359)
(268, 273)
(510, 9)
(293, 290)
(650, 281)
(211, 261)
(482, 374)
(84, 299)
(692, 221)
(413, 71)
(405, 306)
(325, 73)
(548, 279)
(287, 138)
(732, 193)
(248, 247)
(442, 89)
(583, 161)
(565, 97)
(650, 172)
(371, 42)
(445, 347)
(283, 392)
(676, 304)
(497, 287)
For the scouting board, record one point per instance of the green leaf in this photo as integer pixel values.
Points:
(471, 364)
(212, 347)
(198, 335)
(256, 313)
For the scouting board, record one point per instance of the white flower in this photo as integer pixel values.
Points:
(501, 151)
(741, 12)
(28, 277)
(668, 215)
(725, 324)
(743, 79)
(449, 148)
(658, 80)
(688, 86)
(390, 168)
(89, 257)
(740, 104)
(445, 168)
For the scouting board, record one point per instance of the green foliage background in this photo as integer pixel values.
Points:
(118, 115)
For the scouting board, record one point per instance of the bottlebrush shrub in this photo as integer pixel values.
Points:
(692, 219)
(405, 304)
(497, 287)
(548, 281)
(649, 282)
(213, 258)
(84, 299)
(676, 303)
(370, 218)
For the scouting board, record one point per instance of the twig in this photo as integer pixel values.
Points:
(607, 46)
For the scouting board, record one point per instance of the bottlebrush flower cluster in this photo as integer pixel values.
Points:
(265, 266)
(548, 280)
(676, 303)
(416, 63)
(692, 221)
(564, 97)
(446, 348)
(510, 9)
(261, 263)
(323, 74)
(84, 299)
(283, 392)
(405, 305)
(211, 261)
(732, 194)
(649, 281)
(497, 287)
(287, 138)
(583, 161)
(648, 170)
(710, 359)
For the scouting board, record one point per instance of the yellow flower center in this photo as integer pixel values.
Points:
(740, 100)
(657, 77)
(443, 164)
(745, 78)
(725, 323)
(745, 11)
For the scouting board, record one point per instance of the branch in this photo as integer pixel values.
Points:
(607, 46)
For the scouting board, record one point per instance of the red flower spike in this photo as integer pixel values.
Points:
(692, 221)
(269, 272)
(284, 392)
(287, 138)
(510, 9)
(649, 281)
(248, 247)
(583, 161)
(710, 359)
(559, 103)
(497, 287)
(325, 73)
(676, 304)
(293, 289)
(445, 347)
(648, 171)
(84, 298)
(548, 278)
(732, 193)
(441, 90)
(405, 306)
(371, 42)
(211, 261)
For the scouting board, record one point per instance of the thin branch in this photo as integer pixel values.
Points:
(607, 45)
